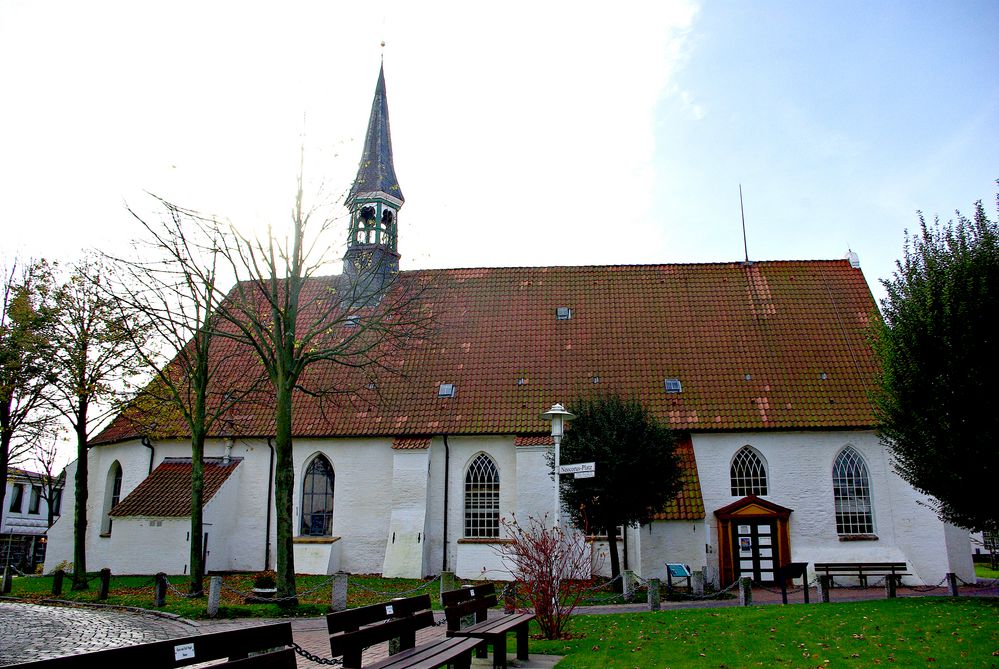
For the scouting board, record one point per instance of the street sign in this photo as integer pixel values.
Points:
(584, 475)
(577, 468)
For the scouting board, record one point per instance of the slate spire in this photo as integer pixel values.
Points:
(376, 173)
(372, 257)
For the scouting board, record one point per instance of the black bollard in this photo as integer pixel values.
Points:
(57, 579)
(105, 585)
(160, 590)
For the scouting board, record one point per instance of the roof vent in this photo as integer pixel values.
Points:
(854, 259)
(748, 377)
(446, 390)
(595, 379)
(674, 386)
(521, 381)
(823, 376)
(563, 313)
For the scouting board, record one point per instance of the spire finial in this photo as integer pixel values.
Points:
(383, 51)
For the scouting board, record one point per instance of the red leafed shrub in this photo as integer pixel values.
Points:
(551, 567)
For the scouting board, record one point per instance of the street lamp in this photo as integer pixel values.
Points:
(558, 417)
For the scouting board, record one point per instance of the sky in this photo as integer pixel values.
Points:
(542, 133)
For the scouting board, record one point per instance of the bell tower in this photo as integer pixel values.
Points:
(373, 202)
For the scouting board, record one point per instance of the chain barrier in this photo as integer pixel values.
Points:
(710, 595)
(926, 588)
(303, 593)
(979, 583)
(793, 589)
(397, 593)
(315, 658)
(876, 584)
(183, 595)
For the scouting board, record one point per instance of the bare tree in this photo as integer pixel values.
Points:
(44, 474)
(25, 361)
(293, 321)
(170, 296)
(94, 356)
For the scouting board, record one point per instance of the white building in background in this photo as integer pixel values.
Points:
(24, 520)
(763, 368)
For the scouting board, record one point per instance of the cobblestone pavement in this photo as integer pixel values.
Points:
(34, 632)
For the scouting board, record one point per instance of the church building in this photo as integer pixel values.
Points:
(762, 368)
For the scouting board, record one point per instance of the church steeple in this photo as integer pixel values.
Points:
(375, 197)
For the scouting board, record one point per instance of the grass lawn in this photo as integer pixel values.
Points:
(908, 632)
(982, 570)
(137, 591)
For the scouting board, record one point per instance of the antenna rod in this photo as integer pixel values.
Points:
(745, 248)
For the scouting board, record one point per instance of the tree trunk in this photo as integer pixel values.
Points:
(615, 560)
(80, 513)
(5, 439)
(197, 512)
(284, 489)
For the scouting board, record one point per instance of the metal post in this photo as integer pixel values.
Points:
(952, 583)
(653, 594)
(745, 591)
(214, 595)
(338, 598)
(890, 587)
(824, 588)
(6, 580)
(57, 579)
(558, 480)
(105, 584)
(804, 584)
(628, 584)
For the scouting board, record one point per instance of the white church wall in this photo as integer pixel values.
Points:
(473, 558)
(220, 520)
(404, 548)
(433, 546)
(362, 502)
(799, 470)
(149, 545)
(667, 541)
(535, 487)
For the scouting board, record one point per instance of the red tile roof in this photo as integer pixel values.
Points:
(768, 345)
(410, 443)
(166, 493)
(688, 504)
(533, 440)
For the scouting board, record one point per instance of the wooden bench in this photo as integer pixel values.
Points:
(271, 645)
(477, 600)
(861, 570)
(354, 630)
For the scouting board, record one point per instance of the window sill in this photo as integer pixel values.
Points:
(105, 535)
(315, 540)
(858, 537)
(495, 540)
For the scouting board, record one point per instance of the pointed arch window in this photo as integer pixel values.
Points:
(482, 488)
(852, 494)
(317, 498)
(112, 495)
(748, 473)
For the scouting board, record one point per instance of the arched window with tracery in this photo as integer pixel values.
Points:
(482, 488)
(317, 498)
(748, 473)
(852, 494)
(112, 495)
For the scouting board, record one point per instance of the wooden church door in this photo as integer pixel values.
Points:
(755, 548)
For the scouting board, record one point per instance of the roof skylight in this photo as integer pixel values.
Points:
(563, 313)
(446, 390)
(673, 386)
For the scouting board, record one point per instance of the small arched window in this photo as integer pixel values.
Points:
(317, 498)
(112, 495)
(748, 473)
(852, 494)
(482, 487)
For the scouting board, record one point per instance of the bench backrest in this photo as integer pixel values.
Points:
(452, 597)
(893, 567)
(231, 645)
(475, 600)
(354, 630)
(353, 619)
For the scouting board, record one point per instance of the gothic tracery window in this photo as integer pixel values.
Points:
(482, 483)
(748, 473)
(852, 494)
(317, 498)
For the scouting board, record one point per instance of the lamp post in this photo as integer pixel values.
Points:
(558, 417)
